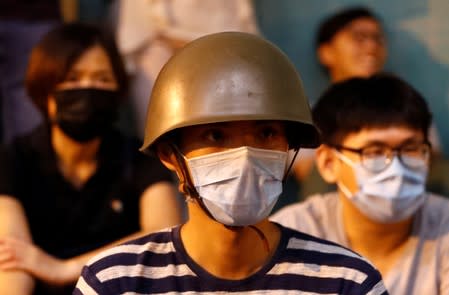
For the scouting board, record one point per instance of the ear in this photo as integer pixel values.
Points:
(166, 154)
(327, 163)
(51, 107)
(326, 55)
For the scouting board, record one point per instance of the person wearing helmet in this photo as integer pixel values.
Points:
(223, 114)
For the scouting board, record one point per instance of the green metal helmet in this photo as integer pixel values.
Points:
(229, 76)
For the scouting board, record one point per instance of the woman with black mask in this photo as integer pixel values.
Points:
(75, 184)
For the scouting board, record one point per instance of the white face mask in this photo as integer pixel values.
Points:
(240, 186)
(391, 195)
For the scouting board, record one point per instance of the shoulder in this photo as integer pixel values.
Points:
(319, 260)
(132, 253)
(126, 266)
(434, 219)
(314, 203)
(437, 203)
(303, 214)
(36, 141)
(143, 169)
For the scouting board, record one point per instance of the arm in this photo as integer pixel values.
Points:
(159, 209)
(13, 223)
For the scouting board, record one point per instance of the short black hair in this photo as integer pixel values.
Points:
(336, 22)
(379, 101)
(54, 55)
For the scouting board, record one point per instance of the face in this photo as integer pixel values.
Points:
(358, 50)
(93, 69)
(392, 137)
(211, 138)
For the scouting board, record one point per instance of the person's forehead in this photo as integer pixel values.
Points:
(392, 136)
(93, 57)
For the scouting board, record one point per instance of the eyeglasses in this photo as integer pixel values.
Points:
(361, 36)
(378, 157)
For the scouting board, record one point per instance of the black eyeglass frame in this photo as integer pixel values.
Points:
(389, 157)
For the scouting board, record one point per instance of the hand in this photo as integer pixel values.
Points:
(16, 254)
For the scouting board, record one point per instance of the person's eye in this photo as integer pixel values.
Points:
(214, 135)
(374, 151)
(379, 38)
(105, 78)
(358, 36)
(72, 77)
(415, 150)
(268, 132)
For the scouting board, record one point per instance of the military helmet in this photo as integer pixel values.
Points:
(229, 76)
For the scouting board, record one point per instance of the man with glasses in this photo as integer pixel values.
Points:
(375, 148)
(351, 43)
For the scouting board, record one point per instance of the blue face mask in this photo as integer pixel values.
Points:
(389, 196)
(239, 186)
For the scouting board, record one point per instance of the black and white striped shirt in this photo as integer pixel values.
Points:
(159, 264)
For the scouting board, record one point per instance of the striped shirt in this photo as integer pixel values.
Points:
(159, 264)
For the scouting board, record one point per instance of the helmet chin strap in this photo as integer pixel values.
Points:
(290, 165)
(191, 192)
(188, 185)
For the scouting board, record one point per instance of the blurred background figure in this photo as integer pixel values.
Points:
(351, 43)
(149, 32)
(75, 184)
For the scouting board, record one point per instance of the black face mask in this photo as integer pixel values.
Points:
(85, 113)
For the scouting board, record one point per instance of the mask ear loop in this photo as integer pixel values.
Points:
(290, 165)
(344, 189)
(188, 186)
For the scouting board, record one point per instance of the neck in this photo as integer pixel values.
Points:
(77, 161)
(230, 252)
(336, 77)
